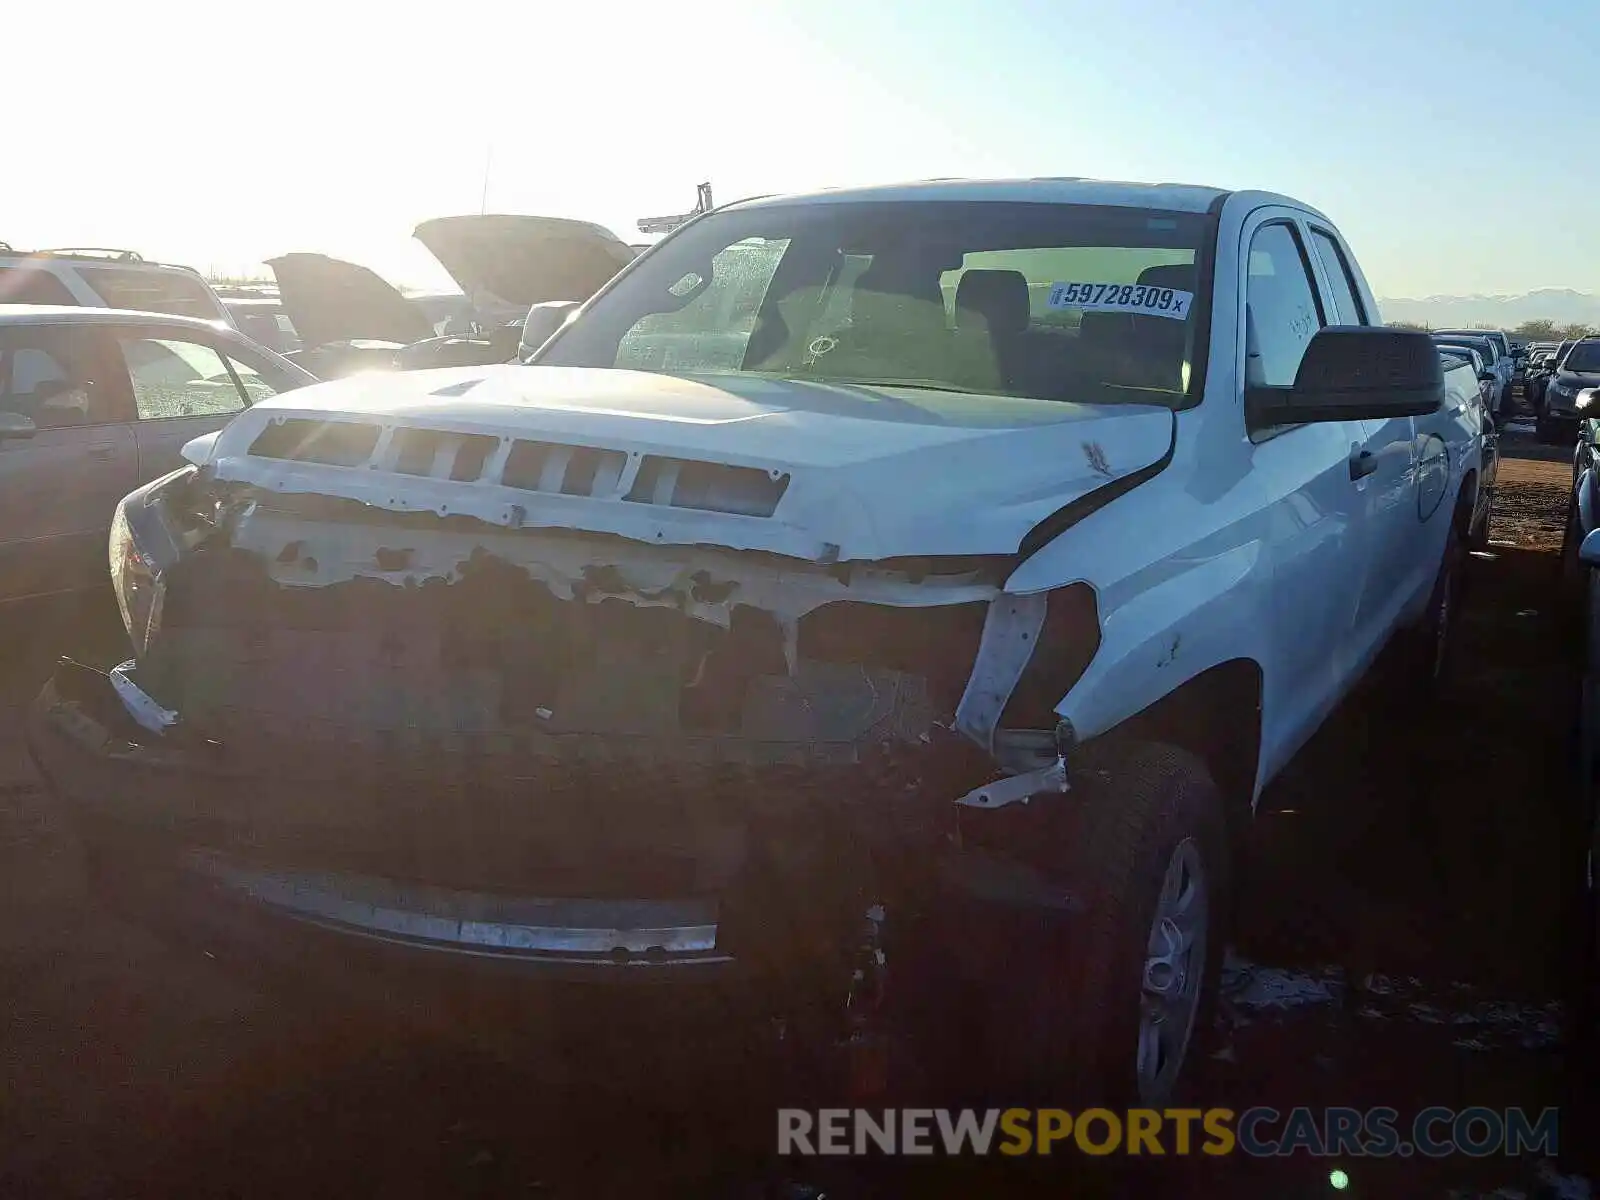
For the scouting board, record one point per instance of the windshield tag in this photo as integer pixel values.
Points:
(1122, 297)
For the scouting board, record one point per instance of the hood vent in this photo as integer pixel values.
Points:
(332, 443)
(549, 467)
(568, 470)
(709, 487)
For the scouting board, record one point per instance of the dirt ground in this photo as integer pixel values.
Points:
(1408, 915)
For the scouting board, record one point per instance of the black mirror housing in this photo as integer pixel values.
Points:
(542, 323)
(1353, 373)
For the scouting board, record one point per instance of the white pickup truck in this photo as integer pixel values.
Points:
(874, 595)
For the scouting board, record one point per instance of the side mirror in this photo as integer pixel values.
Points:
(1354, 373)
(1486, 377)
(542, 322)
(1589, 552)
(15, 425)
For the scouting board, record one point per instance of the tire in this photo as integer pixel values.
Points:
(1076, 1021)
(1544, 432)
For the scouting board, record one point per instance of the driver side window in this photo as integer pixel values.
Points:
(177, 378)
(1282, 313)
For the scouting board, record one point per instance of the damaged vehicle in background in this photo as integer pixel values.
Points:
(350, 319)
(887, 603)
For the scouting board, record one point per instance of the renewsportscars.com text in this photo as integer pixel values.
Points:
(1260, 1132)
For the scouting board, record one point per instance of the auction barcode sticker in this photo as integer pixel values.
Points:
(1122, 297)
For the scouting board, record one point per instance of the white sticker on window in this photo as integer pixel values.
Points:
(1122, 297)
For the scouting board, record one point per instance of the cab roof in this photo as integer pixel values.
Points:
(1171, 196)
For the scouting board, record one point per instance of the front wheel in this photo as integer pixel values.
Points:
(1112, 1016)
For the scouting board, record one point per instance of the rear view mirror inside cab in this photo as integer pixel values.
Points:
(1352, 373)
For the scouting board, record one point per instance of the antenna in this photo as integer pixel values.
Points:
(488, 162)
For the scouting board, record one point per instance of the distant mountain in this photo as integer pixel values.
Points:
(1561, 305)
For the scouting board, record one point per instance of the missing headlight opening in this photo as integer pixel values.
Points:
(693, 721)
(286, 607)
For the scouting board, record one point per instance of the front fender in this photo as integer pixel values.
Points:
(1189, 616)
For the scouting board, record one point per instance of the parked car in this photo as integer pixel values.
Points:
(1488, 382)
(1502, 365)
(1568, 393)
(351, 319)
(94, 401)
(1492, 364)
(1583, 561)
(261, 319)
(1541, 364)
(1470, 388)
(890, 601)
(100, 278)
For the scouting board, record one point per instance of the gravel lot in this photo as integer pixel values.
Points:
(1405, 940)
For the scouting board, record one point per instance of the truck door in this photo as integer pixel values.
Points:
(1315, 526)
(1387, 465)
(59, 486)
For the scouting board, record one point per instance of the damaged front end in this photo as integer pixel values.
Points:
(563, 748)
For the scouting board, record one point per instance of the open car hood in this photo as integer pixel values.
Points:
(501, 262)
(330, 300)
(525, 260)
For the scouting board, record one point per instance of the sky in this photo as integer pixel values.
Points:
(1447, 140)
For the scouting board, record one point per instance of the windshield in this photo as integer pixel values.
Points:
(1051, 301)
(1484, 343)
(1484, 349)
(1585, 356)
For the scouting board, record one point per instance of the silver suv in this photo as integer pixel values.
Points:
(100, 278)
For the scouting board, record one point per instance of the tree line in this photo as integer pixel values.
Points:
(1532, 331)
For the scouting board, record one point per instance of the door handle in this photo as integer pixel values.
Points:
(1362, 464)
(101, 453)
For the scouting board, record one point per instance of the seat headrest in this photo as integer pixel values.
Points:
(1178, 276)
(999, 297)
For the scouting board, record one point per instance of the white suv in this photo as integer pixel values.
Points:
(99, 278)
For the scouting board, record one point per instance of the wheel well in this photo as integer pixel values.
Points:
(1216, 716)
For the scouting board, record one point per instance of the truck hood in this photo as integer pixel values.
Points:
(504, 263)
(824, 473)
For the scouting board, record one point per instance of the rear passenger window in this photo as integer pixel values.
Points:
(1346, 298)
(175, 378)
(170, 291)
(1281, 310)
(29, 285)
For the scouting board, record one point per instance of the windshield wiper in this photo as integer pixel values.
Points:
(924, 385)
